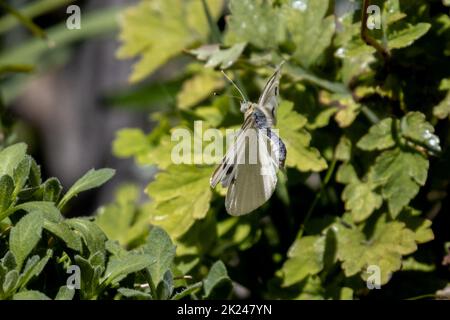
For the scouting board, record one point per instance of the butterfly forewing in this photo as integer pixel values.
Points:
(268, 101)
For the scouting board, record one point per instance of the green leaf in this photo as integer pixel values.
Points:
(217, 275)
(33, 267)
(215, 113)
(10, 281)
(311, 289)
(122, 220)
(6, 191)
(309, 30)
(119, 267)
(34, 180)
(406, 37)
(361, 200)
(65, 233)
(30, 295)
(47, 209)
(442, 110)
(196, 89)
(255, 22)
(9, 261)
(134, 294)
(160, 247)
(52, 190)
(91, 272)
(25, 235)
(165, 287)
(181, 195)
(191, 289)
(379, 137)
(346, 108)
(93, 236)
(64, 293)
(92, 179)
(133, 142)
(159, 30)
(299, 153)
(21, 173)
(343, 149)
(414, 127)
(305, 257)
(10, 158)
(420, 226)
(130, 142)
(214, 56)
(390, 240)
(399, 173)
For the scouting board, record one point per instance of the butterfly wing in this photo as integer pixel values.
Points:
(268, 101)
(252, 182)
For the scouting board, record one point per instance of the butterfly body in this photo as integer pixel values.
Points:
(250, 166)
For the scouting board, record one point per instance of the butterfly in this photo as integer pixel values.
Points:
(249, 168)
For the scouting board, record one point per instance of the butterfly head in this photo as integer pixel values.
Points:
(245, 105)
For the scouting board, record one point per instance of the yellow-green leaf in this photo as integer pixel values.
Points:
(181, 195)
(158, 30)
(305, 258)
(201, 86)
(297, 140)
(389, 241)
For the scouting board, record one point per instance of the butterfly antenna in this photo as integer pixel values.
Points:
(234, 84)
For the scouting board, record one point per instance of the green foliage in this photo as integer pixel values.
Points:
(37, 242)
(182, 23)
(344, 103)
(372, 103)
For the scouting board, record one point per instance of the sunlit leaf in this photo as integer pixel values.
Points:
(201, 86)
(121, 220)
(255, 22)
(305, 257)
(379, 136)
(297, 140)
(310, 31)
(400, 173)
(181, 195)
(216, 57)
(361, 200)
(92, 179)
(384, 248)
(156, 31)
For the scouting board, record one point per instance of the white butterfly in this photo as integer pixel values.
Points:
(249, 168)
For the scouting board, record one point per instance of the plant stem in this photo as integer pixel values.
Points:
(215, 32)
(31, 11)
(24, 20)
(370, 115)
(16, 68)
(367, 38)
(423, 296)
(317, 197)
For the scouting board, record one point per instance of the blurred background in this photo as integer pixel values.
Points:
(63, 104)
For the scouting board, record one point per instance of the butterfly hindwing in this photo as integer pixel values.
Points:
(253, 182)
